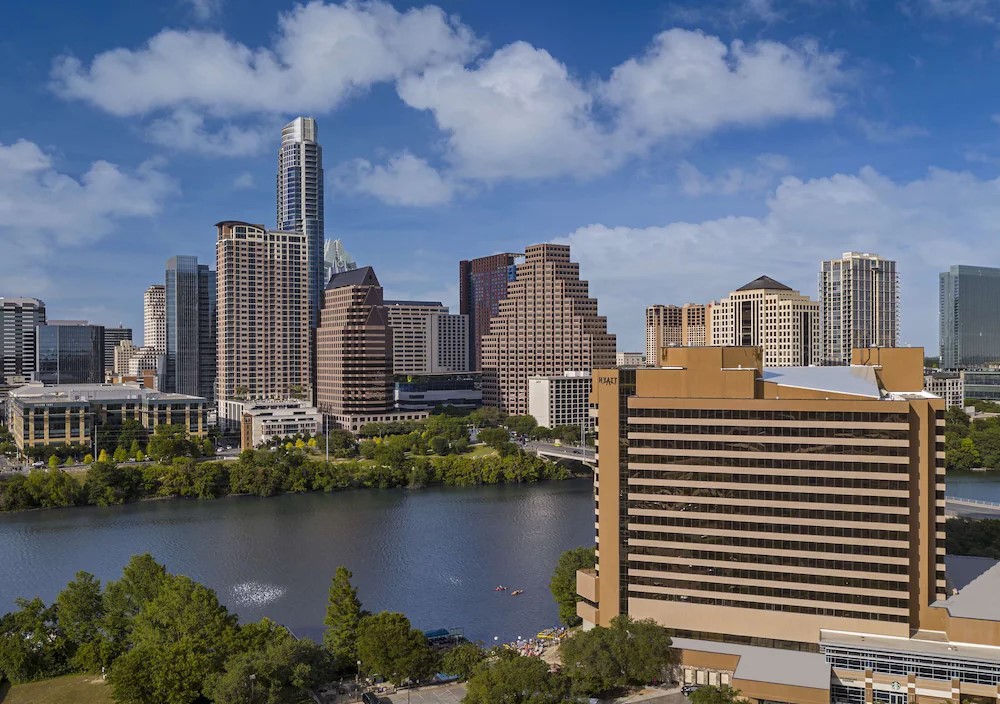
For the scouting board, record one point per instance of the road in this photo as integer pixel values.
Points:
(569, 452)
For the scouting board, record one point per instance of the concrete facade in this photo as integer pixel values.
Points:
(770, 315)
(689, 325)
(427, 339)
(263, 421)
(859, 305)
(154, 318)
(18, 338)
(547, 325)
(560, 400)
(264, 339)
(630, 359)
(948, 385)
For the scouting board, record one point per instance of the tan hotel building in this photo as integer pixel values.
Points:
(787, 526)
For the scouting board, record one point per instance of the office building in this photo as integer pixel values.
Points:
(191, 328)
(688, 325)
(948, 385)
(983, 384)
(354, 380)
(425, 392)
(133, 361)
(69, 352)
(336, 260)
(859, 302)
(807, 566)
(546, 326)
(426, 338)
(19, 317)
(969, 321)
(560, 400)
(66, 414)
(265, 344)
(113, 336)
(482, 284)
(630, 359)
(264, 421)
(154, 318)
(767, 314)
(300, 200)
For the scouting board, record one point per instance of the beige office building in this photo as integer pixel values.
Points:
(264, 341)
(786, 524)
(688, 325)
(859, 305)
(427, 339)
(770, 315)
(547, 325)
(154, 318)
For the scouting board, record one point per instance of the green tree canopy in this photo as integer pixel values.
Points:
(713, 694)
(462, 660)
(31, 644)
(563, 582)
(513, 679)
(389, 646)
(343, 614)
(80, 614)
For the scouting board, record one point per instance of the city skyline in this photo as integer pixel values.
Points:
(807, 166)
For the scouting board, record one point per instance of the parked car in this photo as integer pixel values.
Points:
(369, 698)
(38, 464)
(688, 689)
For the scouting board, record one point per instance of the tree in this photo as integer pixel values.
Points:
(439, 445)
(181, 639)
(487, 416)
(80, 612)
(390, 647)
(31, 645)
(102, 456)
(281, 671)
(120, 454)
(494, 437)
(170, 441)
(88, 459)
(142, 581)
(713, 694)
(514, 679)
(54, 462)
(522, 425)
(628, 653)
(134, 450)
(462, 660)
(343, 614)
(563, 582)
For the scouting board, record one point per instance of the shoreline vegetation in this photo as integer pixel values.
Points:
(433, 452)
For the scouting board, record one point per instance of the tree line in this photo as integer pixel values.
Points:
(970, 444)
(265, 473)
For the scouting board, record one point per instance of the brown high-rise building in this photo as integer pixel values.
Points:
(546, 326)
(676, 326)
(354, 347)
(482, 284)
(264, 341)
(787, 526)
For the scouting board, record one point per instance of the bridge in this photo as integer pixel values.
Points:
(956, 507)
(562, 452)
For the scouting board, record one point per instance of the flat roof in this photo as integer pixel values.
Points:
(856, 380)
(938, 648)
(773, 665)
(39, 393)
(979, 598)
(961, 570)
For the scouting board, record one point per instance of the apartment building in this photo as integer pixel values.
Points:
(112, 337)
(264, 340)
(19, 318)
(769, 314)
(948, 385)
(547, 325)
(786, 524)
(859, 305)
(560, 400)
(427, 339)
(689, 325)
(154, 318)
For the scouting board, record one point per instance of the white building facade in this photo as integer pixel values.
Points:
(859, 305)
(560, 400)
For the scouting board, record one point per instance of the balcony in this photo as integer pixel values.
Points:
(587, 584)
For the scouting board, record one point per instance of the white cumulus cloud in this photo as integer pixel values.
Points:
(914, 222)
(405, 180)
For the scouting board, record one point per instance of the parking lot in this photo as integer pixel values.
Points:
(445, 694)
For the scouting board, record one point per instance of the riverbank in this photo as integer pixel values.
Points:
(264, 474)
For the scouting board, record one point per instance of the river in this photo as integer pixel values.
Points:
(434, 554)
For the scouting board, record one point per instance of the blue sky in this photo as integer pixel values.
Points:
(681, 148)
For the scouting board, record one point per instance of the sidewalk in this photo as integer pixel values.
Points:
(437, 694)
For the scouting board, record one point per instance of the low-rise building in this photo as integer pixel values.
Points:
(68, 414)
(560, 400)
(982, 384)
(428, 391)
(630, 359)
(948, 385)
(263, 421)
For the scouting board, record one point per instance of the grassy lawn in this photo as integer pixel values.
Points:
(480, 451)
(79, 689)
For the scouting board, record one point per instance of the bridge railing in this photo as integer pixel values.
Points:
(976, 502)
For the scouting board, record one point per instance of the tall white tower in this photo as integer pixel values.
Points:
(859, 305)
(154, 317)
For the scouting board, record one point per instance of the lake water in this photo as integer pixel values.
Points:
(984, 486)
(434, 554)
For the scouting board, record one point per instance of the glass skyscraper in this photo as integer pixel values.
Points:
(300, 198)
(970, 322)
(70, 352)
(190, 298)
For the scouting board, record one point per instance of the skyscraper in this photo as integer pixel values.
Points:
(154, 309)
(547, 325)
(336, 260)
(770, 315)
(859, 301)
(18, 319)
(300, 199)
(264, 339)
(689, 325)
(70, 352)
(190, 313)
(970, 323)
(482, 284)
(112, 336)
